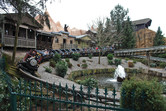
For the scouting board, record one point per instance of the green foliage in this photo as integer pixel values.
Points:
(69, 65)
(117, 62)
(48, 69)
(91, 82)
(52, 63)
(110, 56)
(84, 65)
(158, 39)
(162, 55)
(153, 65)
(134, 61)
(118, 15)
(8, 61)
(163, 83)
(84, 60)
(67, 60)
(75, 56)
(128, 40)
(90, 56)
(142, 95)
(4, 94)
(162, 65)
(144, 61)
(57, 57)
(110, 62)
(61, 68)
(126, 59)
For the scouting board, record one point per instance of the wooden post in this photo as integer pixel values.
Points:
(148, 58)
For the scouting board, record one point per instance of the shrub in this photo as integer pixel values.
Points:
(162, 55)
(52, 63)
(130, 64)
(48, 69)
(140, 95)
(110, 56)
(75, 56)
(90, 56)
(162, 64)
(69, 65)
(91, 82)
(153, 64)
(57, 57)
(84, 60)
(134, 61)
(117, 62)
(126, 59)
(67, 60)
(144, 61)
(84, 65)
(110, 62)
(4, 94)
(61, 68)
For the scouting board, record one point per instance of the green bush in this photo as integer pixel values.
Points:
(61, 68)
(4, 94)
(57, 57)
(153, 65)
(69, 65)
(162, 55)
(84, 60)
(75, 56)
(142, 94)
(52, 63)
(162, 65)
(110, 62)
(126, 59)
(144, 61)
(90, 56)
(67, 60)
(110, 56)
(91, 82)
(117, 62)
(84, 65)
(134, 61)
(48, 69)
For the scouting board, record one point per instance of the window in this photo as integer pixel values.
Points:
(56, 40)
(71, 42)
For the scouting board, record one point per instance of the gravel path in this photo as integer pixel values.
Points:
(92, 64)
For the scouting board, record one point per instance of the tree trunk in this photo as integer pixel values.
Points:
(99, 57)
(15, 43)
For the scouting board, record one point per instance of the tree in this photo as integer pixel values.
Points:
(159, 39)
(104, 35)
(21, 7)
(118, 16)
(128, 40)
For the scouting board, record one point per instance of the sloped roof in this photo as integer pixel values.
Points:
(142, 21)
(81, 36)
(27, 19)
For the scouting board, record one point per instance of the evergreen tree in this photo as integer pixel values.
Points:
(128, 40)
(159, 39)
(118, 16)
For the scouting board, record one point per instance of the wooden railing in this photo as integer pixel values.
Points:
(22, 42)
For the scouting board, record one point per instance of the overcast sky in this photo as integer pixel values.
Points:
(79, 13)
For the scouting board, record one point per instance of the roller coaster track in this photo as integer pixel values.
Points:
(140, 51)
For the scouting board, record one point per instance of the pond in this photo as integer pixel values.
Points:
(107, 81)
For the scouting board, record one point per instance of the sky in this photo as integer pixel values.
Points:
(80, 13)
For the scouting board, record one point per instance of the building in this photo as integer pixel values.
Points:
(144, 36)
(62, 40)
(83, 41)
(27, 31)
